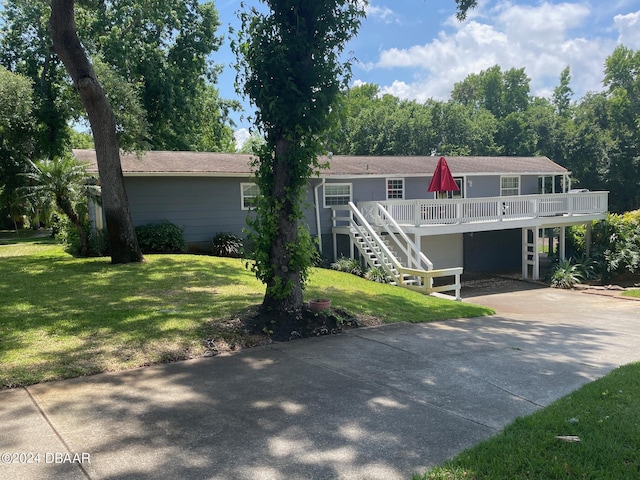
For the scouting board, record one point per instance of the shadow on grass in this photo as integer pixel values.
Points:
(81, 316)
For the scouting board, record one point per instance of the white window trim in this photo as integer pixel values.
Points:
(509, 176)
(386, 184)
(243, 185)
(324, 192)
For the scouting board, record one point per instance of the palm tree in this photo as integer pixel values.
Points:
(61, 181)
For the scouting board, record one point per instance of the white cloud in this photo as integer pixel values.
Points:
(383, 13)
(629, 28)
(539, 38)
(241, 136)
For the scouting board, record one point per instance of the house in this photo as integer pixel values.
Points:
(377, 206)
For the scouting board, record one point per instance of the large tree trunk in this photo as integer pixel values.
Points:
(122, 238)
(280, 254)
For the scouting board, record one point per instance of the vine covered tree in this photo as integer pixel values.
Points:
(290, 68)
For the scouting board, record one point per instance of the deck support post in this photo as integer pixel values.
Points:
(530, 256)
(562, 244)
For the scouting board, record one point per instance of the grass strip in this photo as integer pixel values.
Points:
(593, 433)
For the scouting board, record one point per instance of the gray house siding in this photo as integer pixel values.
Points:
(202, 206)
(528, 185)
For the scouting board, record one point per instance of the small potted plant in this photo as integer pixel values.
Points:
(318, 304)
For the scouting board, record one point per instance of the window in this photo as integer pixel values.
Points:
(336, 194)
(546, 184)
(509, 186)
(249, 192)
(457, 194)
(395, 188)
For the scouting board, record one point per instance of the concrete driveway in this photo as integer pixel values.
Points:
(376, 403)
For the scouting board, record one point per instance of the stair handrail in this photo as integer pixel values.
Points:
(379, 243)
(420, 258)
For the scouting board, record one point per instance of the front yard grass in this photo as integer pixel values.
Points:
(635, 293)
(602, 418)
(63, 317)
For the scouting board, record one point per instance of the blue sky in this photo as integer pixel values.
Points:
(416, 49)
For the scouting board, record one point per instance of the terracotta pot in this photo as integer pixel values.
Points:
(318, 304)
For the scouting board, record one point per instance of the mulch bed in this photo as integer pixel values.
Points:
(256, 326)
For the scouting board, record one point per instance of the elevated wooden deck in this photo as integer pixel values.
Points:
(434, 217)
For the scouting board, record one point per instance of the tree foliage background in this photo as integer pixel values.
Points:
(153, 57)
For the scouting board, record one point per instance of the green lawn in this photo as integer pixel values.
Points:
(62, 317)
(632, 293)
(604, 415)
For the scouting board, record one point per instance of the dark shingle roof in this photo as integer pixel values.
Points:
(233, 164)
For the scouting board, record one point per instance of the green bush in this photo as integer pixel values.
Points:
(163, 237)
(65, 231)
(227, 245)
(376, 274)
(348, 265)
(616, 244)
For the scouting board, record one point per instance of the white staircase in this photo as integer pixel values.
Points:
(385, 244)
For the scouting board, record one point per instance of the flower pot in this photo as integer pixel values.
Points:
(318, 304)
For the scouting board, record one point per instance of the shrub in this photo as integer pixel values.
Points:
(376, 274)
(227, 245)
(163, 237)
(349, 265)
(565, 275)
(66, 232)
(616, 243)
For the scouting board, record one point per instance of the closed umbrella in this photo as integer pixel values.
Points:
(442, 180)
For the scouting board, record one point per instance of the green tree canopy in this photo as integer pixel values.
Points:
(16, 138)
(158, 51)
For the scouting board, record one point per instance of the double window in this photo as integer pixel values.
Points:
(509, 186)
(336, 194)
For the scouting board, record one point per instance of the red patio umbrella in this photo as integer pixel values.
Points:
(442, 180)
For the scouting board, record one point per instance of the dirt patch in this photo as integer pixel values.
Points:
(255, 327)
(473, 285)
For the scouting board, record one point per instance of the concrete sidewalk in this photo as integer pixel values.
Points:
(376, 403)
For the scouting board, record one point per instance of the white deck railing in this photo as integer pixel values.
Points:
(487, 209)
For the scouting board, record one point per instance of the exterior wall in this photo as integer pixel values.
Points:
(202, 206)
(445, 251)
(486, 186)
(528, 185)
(495, 251)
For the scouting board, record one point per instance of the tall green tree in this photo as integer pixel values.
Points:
(25, 48)
(291, 70)
(622, 79)
(123, 244)
(159, 50)
(16, 139)
(501, 93)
